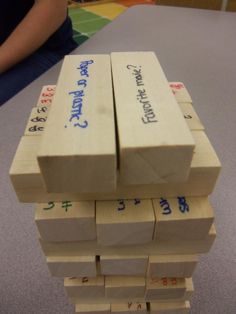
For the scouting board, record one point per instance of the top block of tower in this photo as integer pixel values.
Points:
(78, 149)
(155, 143)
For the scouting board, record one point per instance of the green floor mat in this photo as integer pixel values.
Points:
(85, 24)
(83, 16)
(80, 39)
(90, 26)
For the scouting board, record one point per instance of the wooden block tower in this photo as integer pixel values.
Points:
(121, 168)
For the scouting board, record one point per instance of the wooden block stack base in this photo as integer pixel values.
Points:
(110, 289)
(167, 301)
(141, 305)
(117, 253)
(174, 307)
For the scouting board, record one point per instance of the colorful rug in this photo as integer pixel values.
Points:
(87, 20)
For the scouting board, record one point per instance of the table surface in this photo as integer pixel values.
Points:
(194, 46)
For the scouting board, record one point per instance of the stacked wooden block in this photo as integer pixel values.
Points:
(121, 169)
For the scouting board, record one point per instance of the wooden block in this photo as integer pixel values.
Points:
(204, 154)
(124, 287)
(66, 221)
(182, 217)
(84, 287)
(38, 117)
(46, 95)
(75, 300)
(24, 171)
(92, 308)
(37, 120)
(165, 288)
(205, 169)
(121, 265)
(155, 144)
(124, 222)
(120, 301)
(134, 301)
(78, 149)
(181, 307)
(189, 288)
(185, 103)
(36, 126)
(172, 265)
(191, 117)
(178, 88)
(129, 307)
(162, 246)
(72, 266)
(180, 92)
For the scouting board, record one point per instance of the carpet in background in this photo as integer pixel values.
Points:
(87, 20)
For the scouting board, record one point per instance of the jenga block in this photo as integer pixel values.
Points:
(205, 169)
(37, 119)
(66, 221)
(155, 144)
(181, 307)
(189, 288)
(123, 265)
(124, 222)
(172, 265)
(129, 307)
(84, 287)
(46, 95)
(72, 266)
(162, 246)
(191, 117)
(136, 300)
(124, 287)
(165, 288)
(78, 149)
(182, 217)
(75, 300)
(93, 308)
(178, 89)
(24, 170)
(180, 92)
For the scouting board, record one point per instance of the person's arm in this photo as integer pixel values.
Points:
(39, 24)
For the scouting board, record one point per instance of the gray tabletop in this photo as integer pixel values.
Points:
(193, 46)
